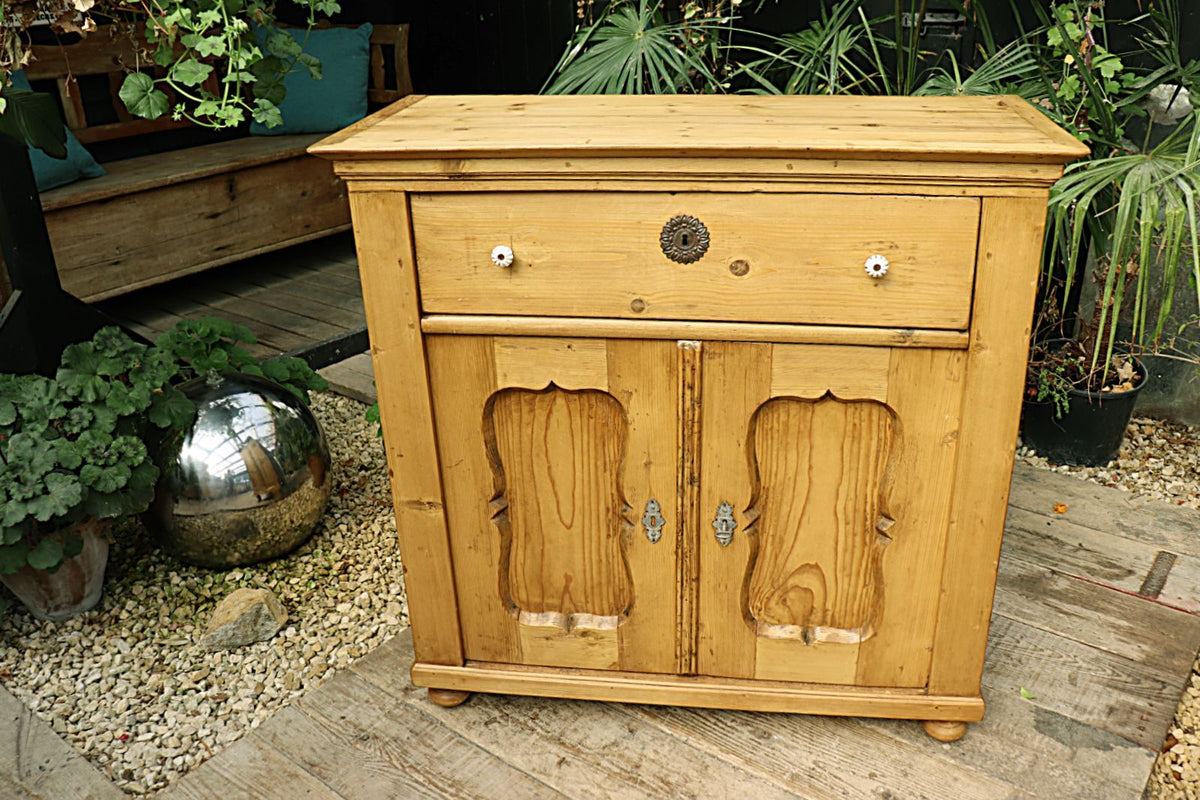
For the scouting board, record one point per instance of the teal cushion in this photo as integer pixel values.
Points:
(340, 97)
(49, 171)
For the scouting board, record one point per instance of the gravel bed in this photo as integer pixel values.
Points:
(128, 686)
(1160, 460)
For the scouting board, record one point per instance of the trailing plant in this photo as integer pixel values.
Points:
(212, 344)
(223, 61)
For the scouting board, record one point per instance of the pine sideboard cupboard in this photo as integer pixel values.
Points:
(706, 401)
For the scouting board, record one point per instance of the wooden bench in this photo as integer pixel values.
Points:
(157, 217)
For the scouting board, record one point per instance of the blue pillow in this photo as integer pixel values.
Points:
(340, 97)
(49, 171)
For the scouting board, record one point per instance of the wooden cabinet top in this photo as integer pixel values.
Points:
(955, 129)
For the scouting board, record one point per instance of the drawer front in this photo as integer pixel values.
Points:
(795, 258)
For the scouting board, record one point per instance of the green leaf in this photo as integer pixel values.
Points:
(276, 370)
(63, 493)
(13, 557)
(170, 408)
(11, 534)
(1027, 694)
(31, 455)
(72, 546)
(266, 113)
(164, 54)
(103, 505)
(69, 453)
(105, 479)
(47, 555)
(282, 44)
(8, 412)
(141, 98)
(191, 72)
(32, 117)
(312, 63)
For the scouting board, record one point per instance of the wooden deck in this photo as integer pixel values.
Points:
(1101, 646)
(291, 299)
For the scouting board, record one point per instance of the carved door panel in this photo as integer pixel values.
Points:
(825, 477)
(559, 463)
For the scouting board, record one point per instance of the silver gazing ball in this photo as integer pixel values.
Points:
(247, 481)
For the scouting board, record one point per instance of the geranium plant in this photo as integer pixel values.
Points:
(73, 447)
(223, 60)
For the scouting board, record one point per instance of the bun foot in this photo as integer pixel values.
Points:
(944, 731)
(449, 698)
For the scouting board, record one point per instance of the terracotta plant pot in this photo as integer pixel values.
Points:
(71, 589)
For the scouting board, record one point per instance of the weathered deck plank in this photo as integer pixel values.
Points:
(37, 765)
(289, 299)
(358, 740)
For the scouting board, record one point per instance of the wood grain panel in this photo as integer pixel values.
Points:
(556, 455)
(736, 381)
(462, 373)
(533, 362)
(213, 220)
(926, 128)
(645, 377)
(700, 691)
(816, 520)
(837, 531)
(806, 256)
(389, 282)
(474, 324)
(1010, 241)
(545, 489)
(925, 392)
(850, 373)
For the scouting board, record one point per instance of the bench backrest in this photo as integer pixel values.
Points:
(108, 53)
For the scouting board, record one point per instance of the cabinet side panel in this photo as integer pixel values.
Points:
(389, 281)
(1010, 247)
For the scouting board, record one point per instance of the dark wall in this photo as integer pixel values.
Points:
(494, 46)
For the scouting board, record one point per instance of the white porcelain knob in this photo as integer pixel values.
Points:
(877, 266)
(502, 255)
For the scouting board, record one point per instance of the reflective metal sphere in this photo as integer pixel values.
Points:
(249, 480)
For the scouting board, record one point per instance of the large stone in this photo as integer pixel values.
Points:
(245, 616)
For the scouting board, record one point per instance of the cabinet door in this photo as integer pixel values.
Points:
(559, 469)
(826, 474)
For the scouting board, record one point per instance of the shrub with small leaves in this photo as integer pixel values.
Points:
(73, 447)
(200, 347)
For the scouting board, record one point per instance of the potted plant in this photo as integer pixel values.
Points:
(75, 449)
(72, 459)
(1125, 217)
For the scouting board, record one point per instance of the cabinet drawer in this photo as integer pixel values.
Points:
(797, 258)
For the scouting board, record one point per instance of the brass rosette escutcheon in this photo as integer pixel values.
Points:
(684, 239)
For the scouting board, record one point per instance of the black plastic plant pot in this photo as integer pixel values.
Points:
(1090, 432)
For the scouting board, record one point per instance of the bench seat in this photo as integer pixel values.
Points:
(158, 217)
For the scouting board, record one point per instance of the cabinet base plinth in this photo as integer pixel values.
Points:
(944, 731)
(448, 698)
(700, 692)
